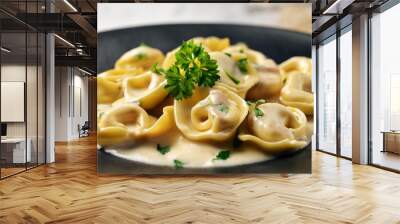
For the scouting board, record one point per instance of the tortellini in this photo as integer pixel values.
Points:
(107, 91)
(210, 114)
(213, 43)
(296, 64)
(117, 75)
(242, 50)
(231, 75)
(129, 121)
(275, 128)
(147, 89)
(270, 81)
(297, 92)
(140, 57)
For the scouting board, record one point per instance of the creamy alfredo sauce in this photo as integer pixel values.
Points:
(191, 153)
(194, 154)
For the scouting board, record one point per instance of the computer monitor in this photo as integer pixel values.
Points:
(3, 129)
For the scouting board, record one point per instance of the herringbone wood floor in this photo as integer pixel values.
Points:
(70, 191)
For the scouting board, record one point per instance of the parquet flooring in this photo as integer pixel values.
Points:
(70, 191)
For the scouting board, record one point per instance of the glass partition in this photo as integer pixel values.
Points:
(13, 145)
(31, 97)
(41, 96)
(22, 67)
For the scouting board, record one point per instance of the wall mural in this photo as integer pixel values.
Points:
(196, 98)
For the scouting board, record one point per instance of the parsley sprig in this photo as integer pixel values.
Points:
(193, 66)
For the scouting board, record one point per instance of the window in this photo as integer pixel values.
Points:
(385, 89)
(346, 93)
(314, 90)
(327, 96)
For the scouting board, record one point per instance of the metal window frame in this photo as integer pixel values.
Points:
(334, 37)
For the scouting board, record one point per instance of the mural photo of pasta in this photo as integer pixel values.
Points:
(207, 103)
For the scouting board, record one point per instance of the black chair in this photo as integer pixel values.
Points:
(84, 130)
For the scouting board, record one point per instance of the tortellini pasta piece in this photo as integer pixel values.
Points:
(147, 89)
(212, 43)
(140, 57)
(242, 50)
(270, 81)
(131, 122)
(297, 92)
(276, 128)
(107, 91)
(117, 75)
(231, 76)
(210, 114)
(102, 108)
(296, 64)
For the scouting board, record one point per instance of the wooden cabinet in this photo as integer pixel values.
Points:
(391, 141)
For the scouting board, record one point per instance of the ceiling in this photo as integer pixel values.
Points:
(76, 21)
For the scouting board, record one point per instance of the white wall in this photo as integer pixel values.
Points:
(286, 16)
(12, 73)
(33, 127)
(61, 103)
(71, 94)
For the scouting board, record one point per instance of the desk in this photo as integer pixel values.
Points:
(15, 148)
(391, 141)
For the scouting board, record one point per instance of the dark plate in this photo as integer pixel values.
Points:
(275, 43)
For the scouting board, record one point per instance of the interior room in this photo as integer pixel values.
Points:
(48, 96)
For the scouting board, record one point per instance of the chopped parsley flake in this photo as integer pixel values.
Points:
(243, 65)
(258, 102)
(223, 108)
(227, 54)
(234, 80)
(178, 164)
(258, 112)
(223, 155)
(163, 149)
(140, 56)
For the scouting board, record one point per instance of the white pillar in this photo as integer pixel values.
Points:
(360, 90)
(50, 92)
(50, 103)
